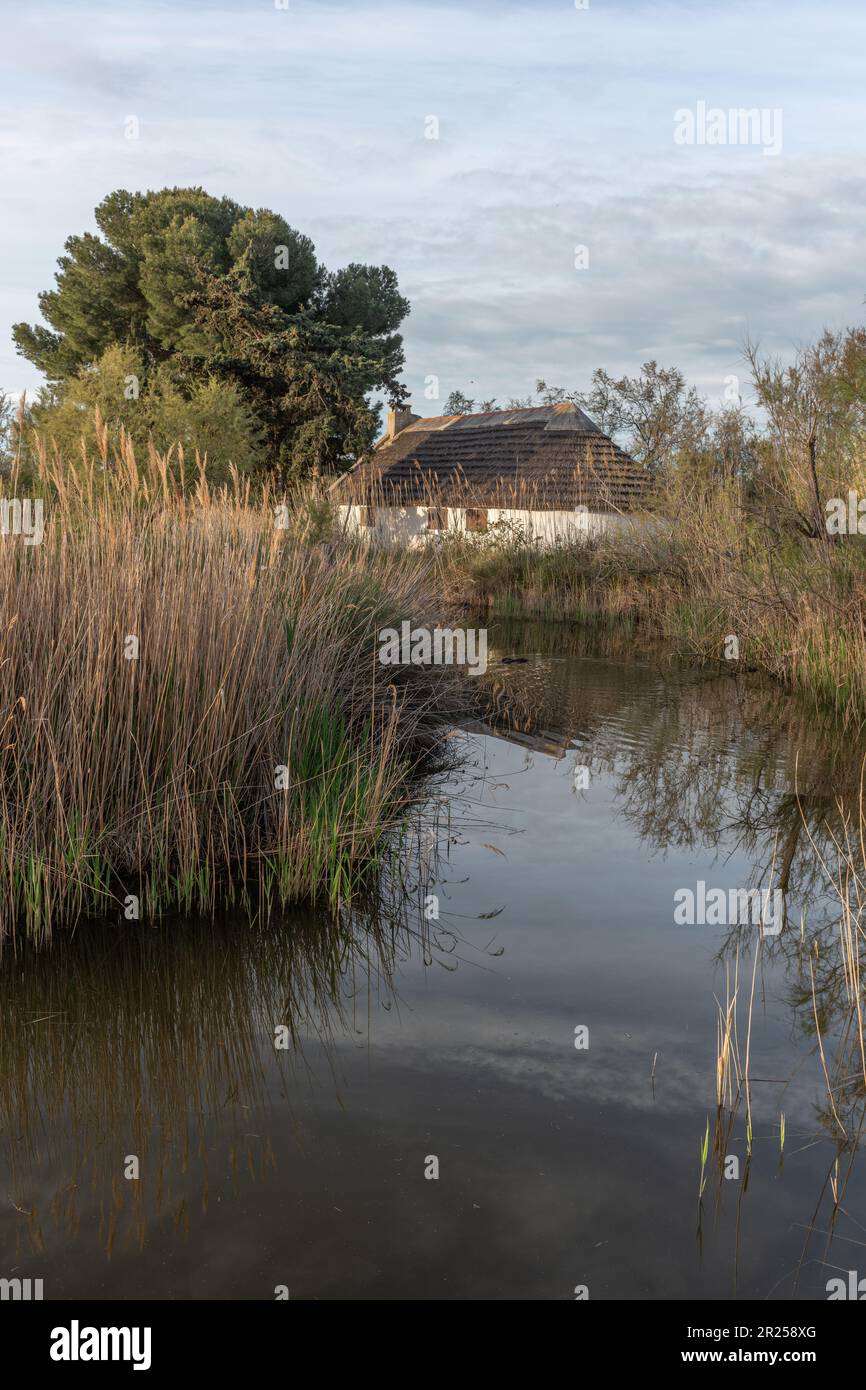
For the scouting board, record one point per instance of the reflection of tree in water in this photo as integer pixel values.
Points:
(697, 760)
(713, 763)
(160, 1043)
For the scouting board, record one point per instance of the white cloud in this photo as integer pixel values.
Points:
(555, 129)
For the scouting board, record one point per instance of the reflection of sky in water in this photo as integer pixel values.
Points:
(558, 1167)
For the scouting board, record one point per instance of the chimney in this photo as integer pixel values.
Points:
(398, 419)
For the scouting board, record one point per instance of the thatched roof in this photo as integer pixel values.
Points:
(549, 456)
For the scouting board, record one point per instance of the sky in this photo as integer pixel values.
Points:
(526, 169)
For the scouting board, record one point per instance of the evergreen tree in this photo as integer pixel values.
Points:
(205, 292)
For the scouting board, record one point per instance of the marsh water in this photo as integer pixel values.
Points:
(524, 1015)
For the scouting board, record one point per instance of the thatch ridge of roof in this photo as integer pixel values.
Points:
(554, 455)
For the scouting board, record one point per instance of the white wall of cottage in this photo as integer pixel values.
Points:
(407, 526)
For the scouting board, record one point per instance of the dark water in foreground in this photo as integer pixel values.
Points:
(455, 1039)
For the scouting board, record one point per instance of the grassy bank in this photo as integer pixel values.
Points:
(699, 573)
(191, 701)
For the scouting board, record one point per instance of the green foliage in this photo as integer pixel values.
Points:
(816, 409)
(214, 299)
(7, 420)
(655, 411)
(459, 404)
(315, 519)
(210, 415)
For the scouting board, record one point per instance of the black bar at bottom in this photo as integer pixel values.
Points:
(250, 1339)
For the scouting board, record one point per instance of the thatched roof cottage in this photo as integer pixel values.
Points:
(548, 469)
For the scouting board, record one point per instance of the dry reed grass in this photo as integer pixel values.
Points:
(156, 776)
(701, 563)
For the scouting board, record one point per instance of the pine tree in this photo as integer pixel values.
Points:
(206, 291)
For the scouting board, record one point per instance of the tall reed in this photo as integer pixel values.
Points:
(190, 697)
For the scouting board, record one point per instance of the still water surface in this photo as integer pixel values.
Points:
(455, 1038)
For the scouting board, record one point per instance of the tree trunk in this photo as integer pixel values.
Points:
(820, 527)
